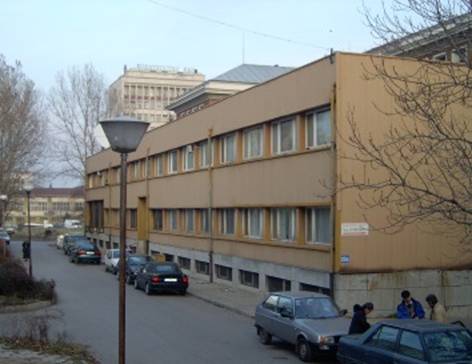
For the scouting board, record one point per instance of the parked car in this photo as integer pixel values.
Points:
(84, 251)
(134, 263)
(60, 242)
(70, 240)
(408, 342)
(161, 276)
(5, 236)
(310, 321)
(111, 260)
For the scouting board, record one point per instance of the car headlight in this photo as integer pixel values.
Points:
(325, 340)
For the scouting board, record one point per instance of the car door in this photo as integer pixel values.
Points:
(283, 326)
(381, 346)
(410, 349)
(266, 313)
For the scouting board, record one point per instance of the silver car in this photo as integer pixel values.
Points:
(310, 321)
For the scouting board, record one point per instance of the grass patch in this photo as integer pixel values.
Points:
(60, 347)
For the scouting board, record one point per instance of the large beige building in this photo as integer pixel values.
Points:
(144, 92)
(262, 208)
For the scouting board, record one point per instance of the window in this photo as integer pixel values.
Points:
(158, 221)
(460, 55)
(410, 345)
(173, 220)
(318, 128)
(172, 168)
(385, 338)
(318, 227)
(204, 221)
(188, 160)
(135, 170)
(227, 221)
(253, 139)
(271, 303)
(440, 57)
(285, 303)
(168, 257)
(159, 166)
(249, 279)
(184, 262)
(189, 220)
(228, 148)
(448, 346)
(275, 284)
(202, 267)
(313, 288)
(133, 218)
(225, 273)
(283, 136)
(205, 157)
(283, 224)
(253, 222)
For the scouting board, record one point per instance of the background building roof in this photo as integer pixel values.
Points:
(58, 192)
(252, 73)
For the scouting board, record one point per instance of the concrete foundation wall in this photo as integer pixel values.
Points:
(453, 289)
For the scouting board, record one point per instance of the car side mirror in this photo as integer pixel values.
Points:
(285, 312)
(343, 312)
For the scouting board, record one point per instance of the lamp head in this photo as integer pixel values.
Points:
(124, 133)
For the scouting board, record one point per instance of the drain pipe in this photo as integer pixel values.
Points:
(210, 203)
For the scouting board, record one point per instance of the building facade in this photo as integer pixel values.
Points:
(49, 205)
(144, 92)
(249, 190)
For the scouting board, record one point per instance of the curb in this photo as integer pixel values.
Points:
(221, 305)
(25, 308)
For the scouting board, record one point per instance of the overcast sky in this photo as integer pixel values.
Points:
(52, 35)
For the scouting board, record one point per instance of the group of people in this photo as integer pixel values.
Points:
(409, 308)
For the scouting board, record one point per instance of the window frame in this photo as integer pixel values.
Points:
(159, 165)
(312, 224)
(314, 119)
(204, 217)
(185, 160)
(173, 220)
(293, 224)
(246, 132)
(223, 151)
(276, 133)
(224, 221)
(155, 224)
(170, 164)
(188, 213)
(399, 349)
(247, 223)
(133, 218)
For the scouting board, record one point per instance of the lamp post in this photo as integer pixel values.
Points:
(124, 135)
(28, 187)
(4, 199)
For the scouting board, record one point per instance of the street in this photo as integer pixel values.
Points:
(160, 328)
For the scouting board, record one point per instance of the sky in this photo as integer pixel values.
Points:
(48, 36)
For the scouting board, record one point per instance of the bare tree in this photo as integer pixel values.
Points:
(425, 157)
(22, 128)
(76, 102)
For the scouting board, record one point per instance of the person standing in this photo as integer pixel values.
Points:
(409, 308)
(438, 312)
(359, 323)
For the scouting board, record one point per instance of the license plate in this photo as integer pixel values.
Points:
(90, 253)
(170, 279)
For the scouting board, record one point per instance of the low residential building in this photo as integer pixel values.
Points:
(249, 190)
(227, 84)
(144, 92)
(50, 205)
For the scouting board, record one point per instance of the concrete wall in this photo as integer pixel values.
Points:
(453, 289)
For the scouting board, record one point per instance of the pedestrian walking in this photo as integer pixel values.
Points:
(359, 323)
(26, 250)
(409, 308)
(438, 312)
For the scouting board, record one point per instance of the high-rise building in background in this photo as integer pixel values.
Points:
(145, 91)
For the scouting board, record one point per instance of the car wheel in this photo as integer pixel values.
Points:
(147, 289)
(304, 350)
(136, 285)
(264, 337)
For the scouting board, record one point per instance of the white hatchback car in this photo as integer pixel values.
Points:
(111, 260)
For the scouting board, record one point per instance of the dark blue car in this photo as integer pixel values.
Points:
(407, 342)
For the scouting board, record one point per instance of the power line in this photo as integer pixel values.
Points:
(235, 26)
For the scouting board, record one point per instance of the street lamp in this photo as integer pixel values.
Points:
(28, 187)
(4, 199)
(124, 135)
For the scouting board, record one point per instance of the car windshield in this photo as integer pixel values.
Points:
(315, 308)
(138, 260)
(448, 346)
(85, 245)
(165, 268)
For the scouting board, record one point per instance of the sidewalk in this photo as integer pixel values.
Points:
(234, 299)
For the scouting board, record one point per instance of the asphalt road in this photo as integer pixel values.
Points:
(160, 328)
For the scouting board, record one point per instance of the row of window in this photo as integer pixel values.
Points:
(224, 149)
(283, 222)
(56, 206)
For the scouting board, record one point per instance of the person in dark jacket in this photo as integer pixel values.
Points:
(359, 323)
(409, 308)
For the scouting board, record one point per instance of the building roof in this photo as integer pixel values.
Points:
(252, 73)
(58, 192)
(453, 26)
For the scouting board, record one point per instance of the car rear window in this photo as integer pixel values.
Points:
(85, 245)
(165, 268)
(449, 346)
